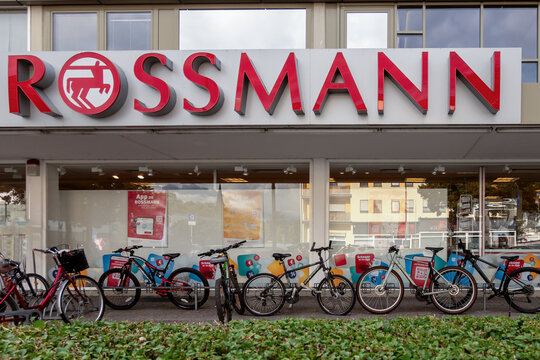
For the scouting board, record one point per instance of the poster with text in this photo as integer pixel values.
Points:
(147, 214)
(242, 217)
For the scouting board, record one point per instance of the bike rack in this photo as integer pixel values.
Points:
(26, 314)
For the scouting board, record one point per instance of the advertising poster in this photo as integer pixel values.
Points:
(242, 217)
(147, 213)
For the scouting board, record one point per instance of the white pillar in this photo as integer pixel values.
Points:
(319, 220)
(36, 218)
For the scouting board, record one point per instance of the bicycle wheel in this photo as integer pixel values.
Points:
(33, 288)
(8, 305)
(81, 300)
(238, 300)
(223, 306)
(335, 295)
(522, 290)
(455, 290)
(264, 294)
(188, 284)
(121, 288)
(376, 297)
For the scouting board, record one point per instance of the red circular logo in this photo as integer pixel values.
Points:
(90, 84)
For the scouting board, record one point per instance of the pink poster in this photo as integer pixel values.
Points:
(147, 213)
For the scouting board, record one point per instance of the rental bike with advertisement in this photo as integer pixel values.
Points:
(380, 289)
(185, 287)
(265, 294)
(520, 288)
(228, 294)
(74, 296)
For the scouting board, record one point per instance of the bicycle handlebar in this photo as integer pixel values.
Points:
(393, 248)
(128, 248)
(222, 250)
(322, 248)
(52, 250)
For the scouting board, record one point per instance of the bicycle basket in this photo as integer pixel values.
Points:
(73, 260)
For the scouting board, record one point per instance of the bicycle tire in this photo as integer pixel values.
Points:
(460, 296)
(264, 295)
(124, 290)
(9, 304)
(367, 285)
(238, 299)
(342, 295)
(86, 303)
(223, 308)
(186, 278)
(519, 290)
(33, 288)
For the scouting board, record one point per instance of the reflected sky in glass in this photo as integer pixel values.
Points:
(13, 31)
(367, 30)
(452, 27)
(128, 31)
(409, 41)
(512, 27)
(529, 72)
(74, 31)
(410, 19)
(243, 29)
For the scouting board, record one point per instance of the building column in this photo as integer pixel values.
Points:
(36, 218)
(482, 210)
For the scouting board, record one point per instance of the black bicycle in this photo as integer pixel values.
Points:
(228, 293)
(520, 288)
(185, 287)
(265, 294)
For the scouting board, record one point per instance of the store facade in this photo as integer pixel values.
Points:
(182, 149)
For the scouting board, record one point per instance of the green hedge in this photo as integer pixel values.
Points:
(376, 338)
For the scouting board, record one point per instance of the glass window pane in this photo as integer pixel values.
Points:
(512, 27)
(452, 27)
(409, 41)
(12, 31)
(529, 72)
(410, 19)
(129, 31)
(14, 230)
(367, 30)
(74, 31)
(243, 29)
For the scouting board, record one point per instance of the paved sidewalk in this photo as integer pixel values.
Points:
(159, 309)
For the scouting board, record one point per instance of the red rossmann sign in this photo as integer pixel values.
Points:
(90, 84)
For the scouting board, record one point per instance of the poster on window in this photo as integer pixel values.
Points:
(242, 217)
(147, 214)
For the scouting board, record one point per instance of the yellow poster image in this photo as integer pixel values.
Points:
(242, 216)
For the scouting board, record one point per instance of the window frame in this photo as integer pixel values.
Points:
(345, 10)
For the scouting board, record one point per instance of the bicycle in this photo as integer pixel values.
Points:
(265, 294)
(78, 297)
(451, 289)
(517, 287)
(228, 294)
(122, 289)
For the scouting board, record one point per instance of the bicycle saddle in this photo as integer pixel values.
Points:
(172, 255)
(279, 256)
(218, 260)
(510, 258)
(434, 249)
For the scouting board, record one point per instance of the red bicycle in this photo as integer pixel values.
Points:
(71, 296)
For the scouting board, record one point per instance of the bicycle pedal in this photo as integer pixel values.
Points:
(315, 292)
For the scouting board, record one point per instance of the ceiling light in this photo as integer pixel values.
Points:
(150, 172)
(140, 176)
(245, 173)
(505, 179)
(350, 169)
(144, 169)
(96, 169)
(116, 177)
(401, 170)
(507, 169)
(289, 170)
(242, 168)
(196, 170)
(439, 168)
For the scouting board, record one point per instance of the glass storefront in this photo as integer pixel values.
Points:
(13, 226)
(181, 208)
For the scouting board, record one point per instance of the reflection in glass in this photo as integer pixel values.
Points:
(74, 31)
(128, 31)
(367, 30)
(409, 41)
(12, 31)
(512, 27)
(243, 29)
(452, 27)
(409, 19)
(529, 72)
(13, 226)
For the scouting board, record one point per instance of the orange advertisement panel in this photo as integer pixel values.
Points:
(242, 216)
(147, 214)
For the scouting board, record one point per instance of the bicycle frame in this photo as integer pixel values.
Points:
(396, 264)
(321, 265)
(152, 270)
(474, 259)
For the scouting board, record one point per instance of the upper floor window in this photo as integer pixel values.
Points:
(129, 30)
(243, 29)
(75, 31)
(367, 30)
(452, 27)
(12, 31)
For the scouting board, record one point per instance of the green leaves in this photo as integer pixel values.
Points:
(401, 338)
